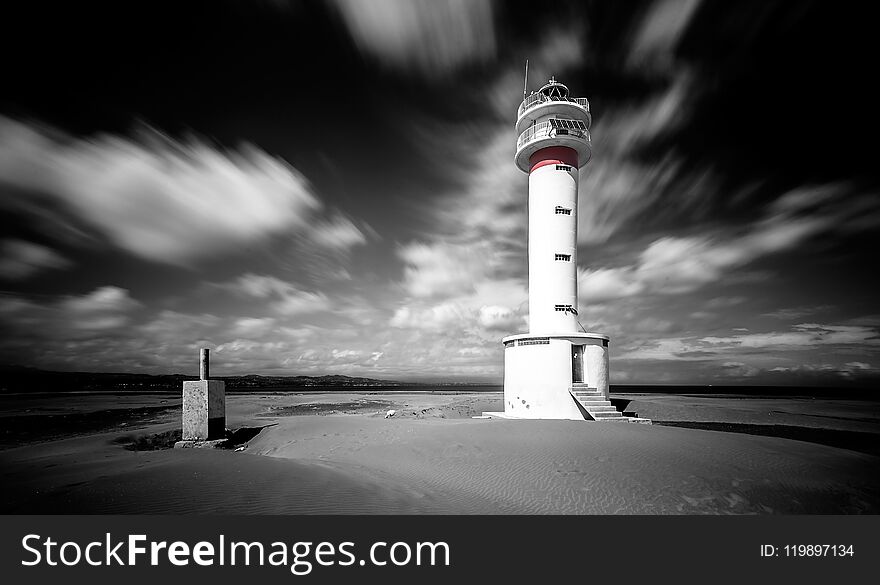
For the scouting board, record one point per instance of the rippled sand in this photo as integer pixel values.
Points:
(338, 454)
(565, 467)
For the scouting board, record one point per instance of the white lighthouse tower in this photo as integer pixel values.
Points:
(556, 370)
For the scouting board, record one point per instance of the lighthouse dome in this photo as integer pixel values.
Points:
(554, 90)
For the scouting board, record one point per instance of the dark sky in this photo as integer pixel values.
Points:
(328, 187)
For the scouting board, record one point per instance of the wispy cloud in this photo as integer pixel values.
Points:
(431, 36)
(849, 370)
(444, 269)
(165, 200)
(676, 265)
(803, 337)
(20, 259)
(104, 311)
(617, 187)
(283, 298)
(797, 312)
(659, 31)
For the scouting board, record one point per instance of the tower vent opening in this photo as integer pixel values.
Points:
(534, 341)
(563, 257)
(560, 210)
(565, 168)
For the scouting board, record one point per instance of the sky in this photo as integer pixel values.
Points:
(316, 188)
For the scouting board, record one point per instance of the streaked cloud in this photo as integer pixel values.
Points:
(659, 31)
(20, 259)
(283, 298)
(676, 265)
(444, 269)
(103, 311)
(617, 188)
(797, 312)
(165, 200)
(804, 337)
(439, 317)
(847, 371)
(430, 36)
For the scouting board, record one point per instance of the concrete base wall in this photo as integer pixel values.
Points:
(536, 381)
(204, 410)
(596, 367)
(537, 376)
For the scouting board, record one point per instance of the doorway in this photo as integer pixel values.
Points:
(577, 364)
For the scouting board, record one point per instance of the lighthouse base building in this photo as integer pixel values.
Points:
(562, 376)
(557, 370)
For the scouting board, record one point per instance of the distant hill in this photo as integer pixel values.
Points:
(24, 379)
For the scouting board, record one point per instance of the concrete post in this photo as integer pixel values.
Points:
(204, 405)
(203, 363)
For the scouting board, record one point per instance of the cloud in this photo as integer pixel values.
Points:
(797, 312)
(337, 233)
(618, 188)
(20, 260)
(804, 335)
(251, 327)
(104, 311)
(725, 302)
(504, 319)
(445, 316)
(103, 299)
(431, 36)
(676, 265)
(444, 269)
(738, 370)
(848, 371)
(161, 199)
(799, 338)
(660, 30)
(320, 254)
(169, 327)
(284, 298)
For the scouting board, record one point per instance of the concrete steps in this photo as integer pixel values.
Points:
(594, 403)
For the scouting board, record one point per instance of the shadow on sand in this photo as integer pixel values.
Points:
(234, 439)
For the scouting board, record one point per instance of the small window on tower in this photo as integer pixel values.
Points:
(564, 257)
(560, 210)
(565, 168)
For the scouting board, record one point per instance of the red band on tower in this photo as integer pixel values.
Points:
(553, 155)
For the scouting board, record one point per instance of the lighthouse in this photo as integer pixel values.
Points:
(557, 370)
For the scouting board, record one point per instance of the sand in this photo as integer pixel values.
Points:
(336, 453)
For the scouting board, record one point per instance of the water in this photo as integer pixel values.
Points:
(399, 388)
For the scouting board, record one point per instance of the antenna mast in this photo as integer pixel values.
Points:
(526, 82)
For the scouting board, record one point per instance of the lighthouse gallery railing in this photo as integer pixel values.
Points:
(547, 130)
(539, 98)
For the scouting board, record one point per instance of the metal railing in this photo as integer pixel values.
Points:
(546, 130)
(539, 98)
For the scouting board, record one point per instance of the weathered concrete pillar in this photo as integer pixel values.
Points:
(203, 363)
(204, 405)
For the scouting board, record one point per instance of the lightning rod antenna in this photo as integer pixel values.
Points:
(526, 82)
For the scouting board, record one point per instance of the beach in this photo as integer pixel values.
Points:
(337, 453)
